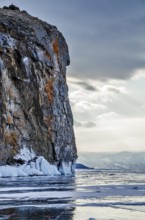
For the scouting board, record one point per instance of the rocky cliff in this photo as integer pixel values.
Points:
(35, 114)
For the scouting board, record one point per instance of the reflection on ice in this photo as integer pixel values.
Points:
(78, 213)
(107, 213)
(89, 195)
(36, 214)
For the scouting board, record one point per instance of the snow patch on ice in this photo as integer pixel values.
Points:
(7, 171)
(38, 167)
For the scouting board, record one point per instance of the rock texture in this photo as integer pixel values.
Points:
(34, 107)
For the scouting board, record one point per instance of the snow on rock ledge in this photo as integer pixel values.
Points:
(39, 167)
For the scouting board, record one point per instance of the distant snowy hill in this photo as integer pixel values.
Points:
(121, 160)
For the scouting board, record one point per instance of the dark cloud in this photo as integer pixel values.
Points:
(116, 90)
(87, 86)
(113, 44)
(106, 38)
(87, 124)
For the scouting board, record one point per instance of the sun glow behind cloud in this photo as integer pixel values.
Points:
(113, 135)
(106, 117)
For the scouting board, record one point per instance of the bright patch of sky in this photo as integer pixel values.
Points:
(107, 73)
(110, 118)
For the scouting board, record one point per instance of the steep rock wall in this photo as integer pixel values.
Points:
(35, 113)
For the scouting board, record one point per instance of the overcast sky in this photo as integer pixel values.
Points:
(106, 78)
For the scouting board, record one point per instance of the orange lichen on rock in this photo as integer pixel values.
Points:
(17, 114)
(47, 54)
(49, 90)
(9, 120)
(56, 47)
(11, 138)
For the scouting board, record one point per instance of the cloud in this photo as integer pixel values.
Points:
(83, 106)
(108, 116)
(83, 84)
(105, 38)
(139, 74)
(113, 43)
(117, 135)
(85, 124)
(115, 89)
(89, 124)
(87, 86)
(90, 104)
(94, 87)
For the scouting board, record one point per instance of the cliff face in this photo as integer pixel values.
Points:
(35, 112)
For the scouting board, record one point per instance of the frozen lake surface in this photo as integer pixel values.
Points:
(92, 194)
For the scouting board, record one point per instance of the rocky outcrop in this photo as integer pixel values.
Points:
(35, 113)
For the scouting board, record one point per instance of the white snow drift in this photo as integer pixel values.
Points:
(41, 167)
